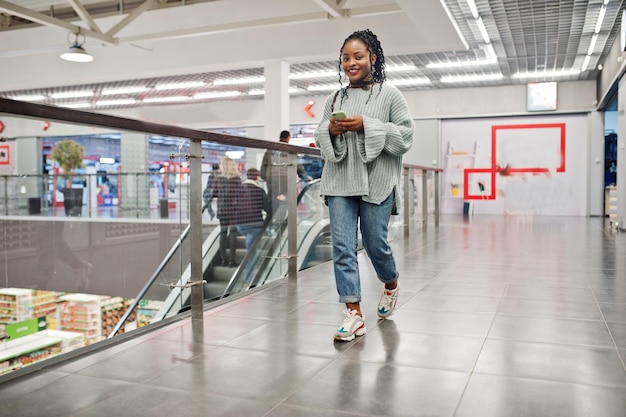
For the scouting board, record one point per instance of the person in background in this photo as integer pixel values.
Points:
(363, 161)
(208, 190)
(274, 173)
(253, 201)
(227, 190)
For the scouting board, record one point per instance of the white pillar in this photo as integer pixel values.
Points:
(134, 159)
(276, 103)
(621, 152)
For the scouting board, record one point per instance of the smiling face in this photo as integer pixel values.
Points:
(357, 61)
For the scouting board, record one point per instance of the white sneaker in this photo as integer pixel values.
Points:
(388, 302)
(353, 325)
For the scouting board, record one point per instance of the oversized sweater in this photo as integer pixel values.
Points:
(367, 163)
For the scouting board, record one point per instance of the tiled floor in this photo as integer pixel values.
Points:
(498, 317)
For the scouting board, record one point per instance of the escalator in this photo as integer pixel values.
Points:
(264, 263)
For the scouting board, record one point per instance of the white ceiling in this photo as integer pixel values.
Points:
(144, 40)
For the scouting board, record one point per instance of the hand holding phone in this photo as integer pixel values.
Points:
(338, 115)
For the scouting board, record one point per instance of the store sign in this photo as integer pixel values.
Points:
(24, 328)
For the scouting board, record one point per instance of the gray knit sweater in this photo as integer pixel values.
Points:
(369, 163)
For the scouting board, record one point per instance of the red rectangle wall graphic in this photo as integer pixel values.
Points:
(536, 149)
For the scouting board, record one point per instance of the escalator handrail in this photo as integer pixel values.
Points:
(275, 245)
(152, 279)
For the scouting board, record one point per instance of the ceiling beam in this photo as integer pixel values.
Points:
(331, 7)
(46, 20)
(146, 5)
(255, 24)
(84, 15)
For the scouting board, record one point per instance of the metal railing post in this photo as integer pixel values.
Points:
(425, 197)
(292, 217)
(195, 230)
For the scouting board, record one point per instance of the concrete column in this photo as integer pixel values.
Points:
(135, 182)
(276, 103)
(621, 152)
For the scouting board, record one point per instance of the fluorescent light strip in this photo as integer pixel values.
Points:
(120, 102)
(165, 99)
(35, 97)
(469, 78)
(75, 105)
(473, 8)
(600, 19)
(216, 94)
(592, 44)
(524, 75)
(236, 81)
(124, 90)
(492, 53)
(333, 73)
(459, 64)
(175, 86)
(585, 63)
(409, 81)
(483, 30)
(400, 68)
(74, 94)
(323, 87)
(314, 74)
(260, 91)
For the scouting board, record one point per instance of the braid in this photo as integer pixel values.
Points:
(370, 40)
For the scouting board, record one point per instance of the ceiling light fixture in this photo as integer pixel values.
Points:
(473, 8)
(216, 94)
(585, 63)
(260, 91)
(313, 74)
(75, 105)
(175, 86)
(32, 97)
(322, 87)
(483, 30)
(400, 68)
(123, 90)
(545, 74)
(121, 102)
(235, 81)
(460, 64)
(76, 52)
(72, 94)
(165, 99)
(470, 78)
(409, 81)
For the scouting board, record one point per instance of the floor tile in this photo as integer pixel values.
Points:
(382, 390)
(551, 330)
(500, 396)
(565, 363)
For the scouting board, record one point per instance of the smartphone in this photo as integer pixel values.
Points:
(338, 115)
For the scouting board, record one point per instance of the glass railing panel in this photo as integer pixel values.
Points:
(67, 279)
(120, 259)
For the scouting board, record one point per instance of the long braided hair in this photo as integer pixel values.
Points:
(370, 40)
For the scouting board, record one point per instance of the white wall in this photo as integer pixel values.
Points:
(527, 165)
(431, 106)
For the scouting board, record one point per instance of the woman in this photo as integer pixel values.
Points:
(363, 161)
(227, 190)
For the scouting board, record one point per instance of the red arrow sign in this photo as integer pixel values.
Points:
(307, 108)
(1, 126)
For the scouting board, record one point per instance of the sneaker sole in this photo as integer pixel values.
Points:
(360, 332)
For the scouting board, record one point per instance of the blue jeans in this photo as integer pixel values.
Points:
(251, 231)
(345, 215)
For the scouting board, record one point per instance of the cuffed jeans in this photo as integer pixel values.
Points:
(345, 215)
